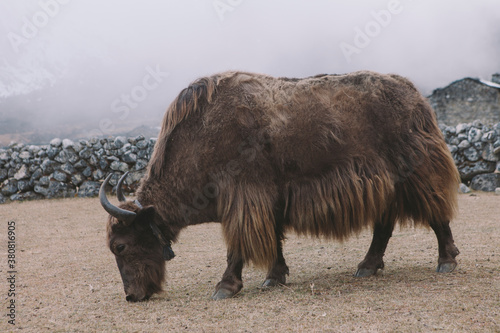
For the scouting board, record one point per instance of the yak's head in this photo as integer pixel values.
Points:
(139, 246)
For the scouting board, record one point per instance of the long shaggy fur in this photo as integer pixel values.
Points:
(325, 156)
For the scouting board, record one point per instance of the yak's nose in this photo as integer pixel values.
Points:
(130, 298)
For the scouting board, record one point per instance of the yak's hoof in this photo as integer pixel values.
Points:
(446, 267)
(222, 294)
(364, 272)
(270, 283)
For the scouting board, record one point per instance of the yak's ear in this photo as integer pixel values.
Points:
(145, 215)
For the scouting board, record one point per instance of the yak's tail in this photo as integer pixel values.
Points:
(248, 223)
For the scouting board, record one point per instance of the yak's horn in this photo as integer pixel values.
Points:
(123, 215)
(119, 193)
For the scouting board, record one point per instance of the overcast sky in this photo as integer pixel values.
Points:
(123, 60)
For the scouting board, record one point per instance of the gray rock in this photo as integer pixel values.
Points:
(141, 164)
(37, 174)
(452, 148)
(34, 149)
(143, 144)
(496, 147)
(42, 153)
(25, 196)
(2, 199)
(93, 160)
(497, 170)
(497, 191)
(89, 189)
(479, 145)
(56, 142)
(464, 144)
(463, 188)
(3, 174)
(103, 164)
(129, 157)
(462, 128)
(49, 166)
(134, 178)
(52, 152)
(77, 147)
(120, 141)
(81, 164)
(85, 153)
(44, 181)
(87, 172)
(22, 173)
(471, 154)
(23, 185)
(44, 191)
(477, 123)
(15, 156)
(119, 166)
(68, 168)
(4, 155)
(25, 155)
(488, 154)
(475, 135)
(72, 156)
(98, 174)
(486, 182)
(489, 136)
(144, 154)
(67, 143)
(60, 190)
(77, 179)
(467, 172)
(62, 157)
(97, 146)
(9, 187)
(59, 176)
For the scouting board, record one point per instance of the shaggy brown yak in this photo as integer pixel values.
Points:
(321, 156)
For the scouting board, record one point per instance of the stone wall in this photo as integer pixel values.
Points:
(476, 150)
(67, 169)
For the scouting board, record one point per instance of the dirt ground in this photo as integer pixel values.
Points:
(67, 279)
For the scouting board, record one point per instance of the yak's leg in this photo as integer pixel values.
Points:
(278, 272)
(373, 261)
(447, 249)
(231, 282)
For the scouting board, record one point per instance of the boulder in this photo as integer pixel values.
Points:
(463, 188)
(89, 189)
(56, 142)
(486, 182)
(22, 173)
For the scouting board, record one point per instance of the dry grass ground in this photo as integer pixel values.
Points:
(68, 281)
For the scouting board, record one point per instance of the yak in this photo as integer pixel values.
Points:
(323, 156)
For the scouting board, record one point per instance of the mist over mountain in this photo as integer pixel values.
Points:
(102, 67)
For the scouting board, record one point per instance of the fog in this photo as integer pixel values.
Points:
(113, 64)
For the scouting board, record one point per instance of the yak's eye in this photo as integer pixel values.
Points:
(120, 248)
